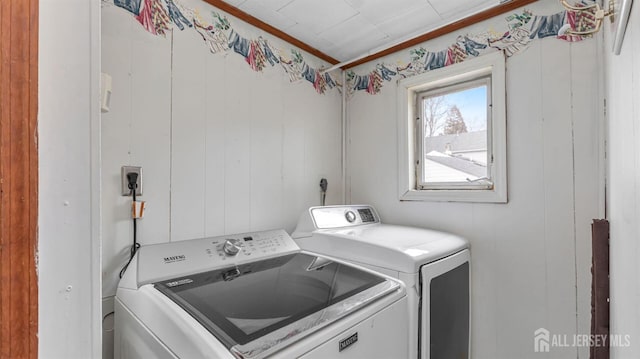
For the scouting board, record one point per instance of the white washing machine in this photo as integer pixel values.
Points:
(433, 265)
(255, 295)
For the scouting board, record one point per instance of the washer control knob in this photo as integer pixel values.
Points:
(350, 216)
(231, 247)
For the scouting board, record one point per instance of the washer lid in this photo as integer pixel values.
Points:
(259, 307)
(397, 248)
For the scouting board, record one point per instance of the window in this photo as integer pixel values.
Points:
(452, 133)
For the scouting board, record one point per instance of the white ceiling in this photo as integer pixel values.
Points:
(346, 29)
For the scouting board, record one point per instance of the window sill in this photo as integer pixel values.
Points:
(452, 195)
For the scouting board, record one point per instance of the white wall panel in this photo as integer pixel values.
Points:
(188, 136)
(294, 182)
(68, 135)
(116, 128)
(239, 99)
(519, 230)
(136, 131)
(149, 132)
(623, 178)
(587, 139)
(216, 117)
(557, 180)
(265, 118)
(322, 150)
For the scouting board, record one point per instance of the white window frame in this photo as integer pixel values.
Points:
(409, 189)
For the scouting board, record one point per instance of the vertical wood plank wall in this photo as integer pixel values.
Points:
(18, 178)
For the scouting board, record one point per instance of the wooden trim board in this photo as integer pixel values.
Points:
(455, 26)
(234, 11)
(18, 178)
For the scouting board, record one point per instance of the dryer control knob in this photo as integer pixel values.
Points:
(231, 247)
(350, 216)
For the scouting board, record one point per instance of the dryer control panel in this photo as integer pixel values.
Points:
(168, 260)
(343, 216)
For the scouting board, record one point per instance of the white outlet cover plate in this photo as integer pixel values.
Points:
(125, 182)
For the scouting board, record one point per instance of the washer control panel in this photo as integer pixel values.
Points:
(249, 245)
(167, 260)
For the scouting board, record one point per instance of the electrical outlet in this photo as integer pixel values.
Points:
(125, 182)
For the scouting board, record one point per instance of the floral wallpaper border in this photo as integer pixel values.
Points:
(522, 28)
(161, 16)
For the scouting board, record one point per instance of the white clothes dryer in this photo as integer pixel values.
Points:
(255, 295)
(435, 267)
